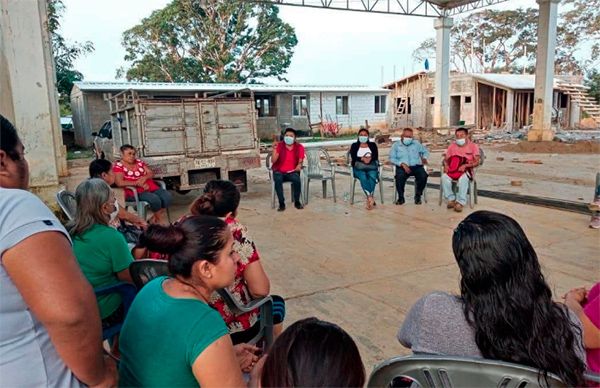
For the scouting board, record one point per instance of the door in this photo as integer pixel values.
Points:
(235, 125)
(454, 110)
(163, 128)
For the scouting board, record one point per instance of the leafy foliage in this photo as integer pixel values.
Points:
(592, 81)
(65, 54)
(209, 41)
(506, 41)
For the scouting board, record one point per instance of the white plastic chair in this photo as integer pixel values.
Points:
(314, 170)
(354, 179)
(415, 179)
(472, 191)
(269, 167)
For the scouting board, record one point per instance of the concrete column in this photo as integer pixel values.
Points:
(541, 129)
(441, 104)
(29, 97)
(510, 109)
(574, 114)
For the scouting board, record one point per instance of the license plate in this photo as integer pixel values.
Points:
(205, 163)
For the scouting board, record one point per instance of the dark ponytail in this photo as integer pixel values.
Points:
(201, 238)
(220, 198)
(162, 239)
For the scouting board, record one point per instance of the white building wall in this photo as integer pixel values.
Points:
(361, 107)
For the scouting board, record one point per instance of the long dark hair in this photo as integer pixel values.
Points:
(507, 301)
(219, 198)
(313, 353)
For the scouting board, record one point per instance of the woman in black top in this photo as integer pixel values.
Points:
(365, 165)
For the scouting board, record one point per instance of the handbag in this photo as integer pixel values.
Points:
(366, 167)
(130, 232)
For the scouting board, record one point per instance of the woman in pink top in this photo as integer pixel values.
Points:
(461, 158)
(586, 304)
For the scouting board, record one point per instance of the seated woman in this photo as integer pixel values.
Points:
(313, 353)
(221, 199)
(171, 336)
(365, 164)
(101, 251)
(505, 309)
(130, 171)
(586, 304)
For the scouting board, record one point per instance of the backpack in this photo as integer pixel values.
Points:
(453, 163)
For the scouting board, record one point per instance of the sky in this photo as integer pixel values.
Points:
(334, 47)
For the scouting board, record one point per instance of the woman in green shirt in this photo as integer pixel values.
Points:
(171, 336)
(101, 250)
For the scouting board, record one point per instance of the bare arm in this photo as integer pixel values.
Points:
(257, 280)
(47, 276)
(132, 218)
(591, 333)
(125, 276)
(217, 366)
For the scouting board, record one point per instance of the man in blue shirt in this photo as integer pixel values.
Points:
(409, 156)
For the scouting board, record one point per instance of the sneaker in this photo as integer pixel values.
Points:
(281, 208)
(418, 200)
(594, 206)
(400, 201)
(595, 222)
(298, 206)
(458, 207)
(451, 204)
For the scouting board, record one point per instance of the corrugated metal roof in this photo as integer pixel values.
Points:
(221, 87)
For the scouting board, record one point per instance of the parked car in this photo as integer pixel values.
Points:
(103, 143)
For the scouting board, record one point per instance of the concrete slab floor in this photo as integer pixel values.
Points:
(364, 269)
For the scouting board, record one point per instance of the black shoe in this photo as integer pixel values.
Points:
(400, 201)
(418, 200)
(298, 206)
(281, 208)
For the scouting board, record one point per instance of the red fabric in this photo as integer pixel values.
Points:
(134, 175)
(288, 159)
(592, 310)
(467, 154)
(453, 163)
(248, 253)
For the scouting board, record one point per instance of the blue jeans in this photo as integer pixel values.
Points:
(159, 199)
(368, 179)
(463, 188)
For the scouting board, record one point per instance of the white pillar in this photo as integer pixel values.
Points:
(541, 129)
(28, 93)
(574, 114)
(510, 109)
(441, 103)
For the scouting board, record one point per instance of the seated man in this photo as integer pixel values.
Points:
(409, 156)
(102, 169)
(461, 158)
(287, 164)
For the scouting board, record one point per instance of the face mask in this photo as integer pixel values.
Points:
(114, 214)
(289, 140)
(363, 139)
(407, 141)
(461, 142)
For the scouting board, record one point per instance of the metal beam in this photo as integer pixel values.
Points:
(424, 8)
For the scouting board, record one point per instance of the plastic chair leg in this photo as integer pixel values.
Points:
(381, 190)
(324, 183)
(306, 191)
(333, 189)
(352, 187)
(272, 195)
(395, 191)
(475, 195)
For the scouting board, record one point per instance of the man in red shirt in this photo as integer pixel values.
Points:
(287, 164)
(461, 158)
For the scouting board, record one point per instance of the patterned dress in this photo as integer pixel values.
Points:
(248, 253)
(132, 175)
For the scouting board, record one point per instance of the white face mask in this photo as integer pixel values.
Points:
(461, 142)
(114, 214)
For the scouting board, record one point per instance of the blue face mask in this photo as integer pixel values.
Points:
(407, 141)
(363, 139)
(461, 142)
(289, 140)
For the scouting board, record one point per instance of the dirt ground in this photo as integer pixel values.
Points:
(364, 270)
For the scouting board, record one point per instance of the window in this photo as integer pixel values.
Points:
(467, 99)
(432, 100)
(380, 102)
(264, 106)
(403, 106)
(564, 101)
(341, 105)
(299, 106)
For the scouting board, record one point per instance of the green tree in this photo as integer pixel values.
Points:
(209, 41)
(494, 41)
(592, 81)
(64, 54)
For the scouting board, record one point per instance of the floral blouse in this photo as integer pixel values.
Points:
(135, 174)
(248, 253)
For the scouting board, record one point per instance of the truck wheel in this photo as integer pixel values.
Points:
(183, 192)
